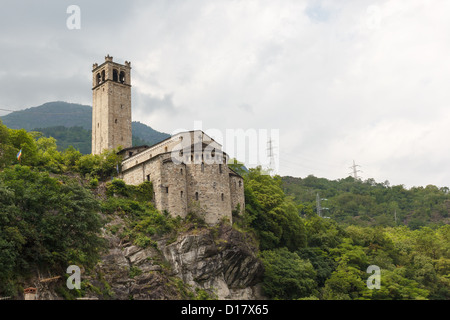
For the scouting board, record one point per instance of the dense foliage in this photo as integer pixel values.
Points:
(310, 257)
(368, 203)
(45, 223)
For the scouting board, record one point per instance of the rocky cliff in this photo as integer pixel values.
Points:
(218, 262)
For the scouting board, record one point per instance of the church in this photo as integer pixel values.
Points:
(189, 170)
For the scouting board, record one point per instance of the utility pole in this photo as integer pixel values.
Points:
(270, 153)
(355, 170)
(319, 207)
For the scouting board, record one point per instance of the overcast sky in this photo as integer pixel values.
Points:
(341, 80)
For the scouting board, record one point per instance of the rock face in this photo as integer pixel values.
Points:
(218, 260)
(226, 263)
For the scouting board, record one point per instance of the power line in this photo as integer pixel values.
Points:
(318, 161)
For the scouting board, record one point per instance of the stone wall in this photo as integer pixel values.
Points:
(188, 180)
(237, 192)
(205, 189)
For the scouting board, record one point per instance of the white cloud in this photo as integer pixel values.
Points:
(342, 80)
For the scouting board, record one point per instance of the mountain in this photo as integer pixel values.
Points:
(70, 124)
(50, 114)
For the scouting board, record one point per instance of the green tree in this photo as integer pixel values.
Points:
(287, 276)
(274, 216)
(45, 223)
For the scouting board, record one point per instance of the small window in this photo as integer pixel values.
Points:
(222, 196)
(122, 77)
(103, 76)
(130, 153)
(167, 189)
(181, 171)
(99, 79)
(196, 196)
(192, 158)
(220, 168)
(181, 194)
(203, 167)
(115, 121)
(213, 153)
(181, 153)
(148, 177)
(240, 183)
(165, 149)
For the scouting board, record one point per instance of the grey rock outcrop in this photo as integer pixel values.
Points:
(225, 262)
(220, 261)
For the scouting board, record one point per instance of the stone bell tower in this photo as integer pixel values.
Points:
(111, 106)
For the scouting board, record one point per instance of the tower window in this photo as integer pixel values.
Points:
(196, 196)
(181, 194)
(122, 77)
(115, 75)
(167, 189)
(99, 79)
(103, 76)
(222, 196)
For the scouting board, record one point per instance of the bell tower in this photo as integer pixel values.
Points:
(111, 105)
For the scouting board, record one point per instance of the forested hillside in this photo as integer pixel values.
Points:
(70, 124)
(368, 203)
(78, 138)
(52, 211)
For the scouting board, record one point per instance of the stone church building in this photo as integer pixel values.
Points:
(189, 170)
